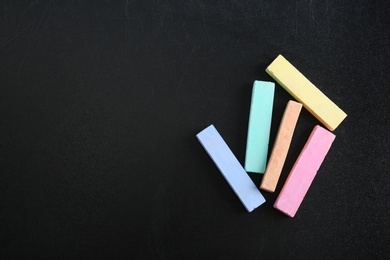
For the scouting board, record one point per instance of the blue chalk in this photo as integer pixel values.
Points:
(230, 168)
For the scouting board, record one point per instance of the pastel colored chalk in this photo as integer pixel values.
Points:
(230, 168)
(327, 112)
(304, 171)
(259, 126)
(281, 146)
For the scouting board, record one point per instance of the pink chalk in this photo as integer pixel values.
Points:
(304, 171)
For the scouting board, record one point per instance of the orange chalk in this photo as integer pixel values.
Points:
(281, 146)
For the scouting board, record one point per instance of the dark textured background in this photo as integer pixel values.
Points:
(100, 104)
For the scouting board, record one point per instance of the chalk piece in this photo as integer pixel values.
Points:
(305, 92)
(230, 168)
(281, 146)
(304, 171)
(259, 126)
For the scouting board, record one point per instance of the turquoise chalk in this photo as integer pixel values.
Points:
(259, 126)
(230, 168)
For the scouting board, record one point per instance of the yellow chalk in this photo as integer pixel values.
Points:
(281, 146)
(305, 92)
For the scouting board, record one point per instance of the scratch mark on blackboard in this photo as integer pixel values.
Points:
(185, 18)
(19, 32)
(311, 14)
(186, 68)
(23, 28)
(21, 64)
(28, 8)
(205, 29)
(296, 18)
(127, 29)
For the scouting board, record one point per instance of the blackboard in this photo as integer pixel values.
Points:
(100, 102)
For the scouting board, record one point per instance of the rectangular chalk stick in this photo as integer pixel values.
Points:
(304, 170)
(230, 168)
(259, 126)
(305, 92)
(281, 146)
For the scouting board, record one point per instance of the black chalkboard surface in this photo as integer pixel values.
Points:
(100, 102)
